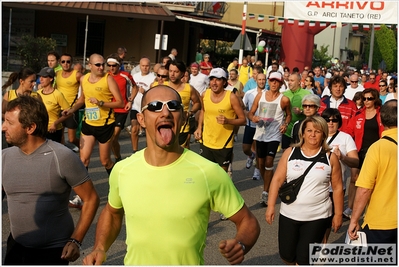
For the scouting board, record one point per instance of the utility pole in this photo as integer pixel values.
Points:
(242, 43)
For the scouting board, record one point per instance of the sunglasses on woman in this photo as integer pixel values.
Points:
(157, 106)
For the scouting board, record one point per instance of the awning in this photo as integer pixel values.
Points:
(137, 10)
(220, 24)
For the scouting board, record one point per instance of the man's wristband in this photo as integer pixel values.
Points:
(73, 240)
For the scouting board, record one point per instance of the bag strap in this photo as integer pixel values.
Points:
(390, 139)
(315, 160)
(333, 137)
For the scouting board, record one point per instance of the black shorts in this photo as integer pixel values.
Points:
(249, 133)
(294, 237)
(133, 114)
(266, 149)
(120, 120)
(72, 122)
(381, 236)
(285, 141)
(222, 156)
(102, 133)
(56, 136)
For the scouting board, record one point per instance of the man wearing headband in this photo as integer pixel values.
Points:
(100, 95)
(166, 205)
(68, 82)
(198, 80)
(125, 82)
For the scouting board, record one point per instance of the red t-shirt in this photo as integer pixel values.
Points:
(121, 80)
(206, 64)
(374, 85)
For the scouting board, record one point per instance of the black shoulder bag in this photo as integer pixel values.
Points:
(289, 191)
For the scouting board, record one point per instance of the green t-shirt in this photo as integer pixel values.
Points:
(296, 101)
(198, 58)
(167, 208)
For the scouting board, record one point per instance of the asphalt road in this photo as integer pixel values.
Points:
(265, 251)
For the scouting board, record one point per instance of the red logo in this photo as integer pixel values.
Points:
(356, 5)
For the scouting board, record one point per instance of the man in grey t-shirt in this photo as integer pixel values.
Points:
(38, 175)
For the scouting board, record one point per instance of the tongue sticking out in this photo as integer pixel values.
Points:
(166, 134)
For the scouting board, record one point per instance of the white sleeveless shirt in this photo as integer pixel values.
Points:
(272, 117)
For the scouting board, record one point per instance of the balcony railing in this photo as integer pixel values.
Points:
(206, 9)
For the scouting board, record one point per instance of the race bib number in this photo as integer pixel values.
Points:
(92, 114)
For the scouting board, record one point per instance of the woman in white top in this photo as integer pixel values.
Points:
(305, 221)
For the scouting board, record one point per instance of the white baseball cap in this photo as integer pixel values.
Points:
(218, 73)
(276, 76)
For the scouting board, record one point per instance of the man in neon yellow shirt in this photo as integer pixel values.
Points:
(377, 184)
(167, 218)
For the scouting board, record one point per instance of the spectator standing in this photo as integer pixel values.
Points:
(173, 54)
(354, 87)
(206, 65)
(198, 55)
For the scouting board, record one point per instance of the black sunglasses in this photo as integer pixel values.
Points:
(331, 120)
(66, 61)
(309, 106)
(162, 76)
(353, 81)
(99, 64)
(110, 65)
(368, 98)
(157, 106)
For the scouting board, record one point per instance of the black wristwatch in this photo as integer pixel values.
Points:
(100, 103)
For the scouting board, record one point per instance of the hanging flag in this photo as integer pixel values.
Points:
(377, 26)
(355, 26)
(344, 24)
(251, 16)
(333, 25)
(312, 24)
(291, 21)
(216, 6)
(323, 24)
(366, 27)
(280, 21)
(301, 23)
(261, 18)
(271, 18)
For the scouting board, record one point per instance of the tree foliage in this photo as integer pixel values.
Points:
(33, 51)
(320, 57)
(385, 48)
